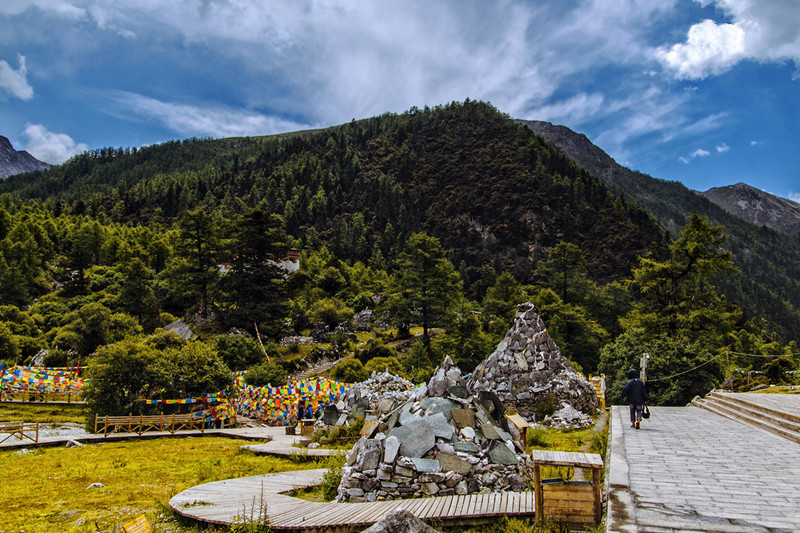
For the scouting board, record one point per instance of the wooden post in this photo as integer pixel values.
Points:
(95, 423)
(105, 427)
(37, 432)
(598, 500)
(140, 425)
(172, 429)
(537, 487)
(728, 364)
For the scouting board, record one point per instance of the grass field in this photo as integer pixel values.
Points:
(43, 413)
(48, 490)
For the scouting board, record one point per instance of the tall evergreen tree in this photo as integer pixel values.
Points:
(431, 280)
(677, 297)
(256, 285)
(199, 245)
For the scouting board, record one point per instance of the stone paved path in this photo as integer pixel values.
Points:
(688, 469)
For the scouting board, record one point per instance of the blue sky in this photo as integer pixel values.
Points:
(706, 92)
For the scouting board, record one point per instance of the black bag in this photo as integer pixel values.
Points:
(645, 412)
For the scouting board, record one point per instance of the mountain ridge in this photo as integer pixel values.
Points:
(14, 161)
(757, 206)
(769, 259)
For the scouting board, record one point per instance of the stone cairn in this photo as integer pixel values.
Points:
(442, 441)
(527, 366)
(379, 394)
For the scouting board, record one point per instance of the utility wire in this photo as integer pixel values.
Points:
(765, 356)
(686, 371)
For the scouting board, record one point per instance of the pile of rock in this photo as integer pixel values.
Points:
(527, 367)
(379, 394)
(568, 418)
(435, 445)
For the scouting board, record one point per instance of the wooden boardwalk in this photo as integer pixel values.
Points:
(261, 498)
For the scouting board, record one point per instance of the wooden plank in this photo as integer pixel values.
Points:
(449, 502)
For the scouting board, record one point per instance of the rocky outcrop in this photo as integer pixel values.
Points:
(527, 368)
(757, 206)
(400, 521)
(16, 162)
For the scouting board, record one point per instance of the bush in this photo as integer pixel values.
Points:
(374, 348)
(331, 312)
(381, 364)
(238, 352)
(776, 370)
(545, 407)
(349, 371)
(266, 374)
(332, 478)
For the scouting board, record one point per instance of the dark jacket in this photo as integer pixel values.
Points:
(634, 392)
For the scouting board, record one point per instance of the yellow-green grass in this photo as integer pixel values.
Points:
(41, 412)
(48, 490)
(565, 440)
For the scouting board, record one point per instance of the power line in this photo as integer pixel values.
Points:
(686, 371)
(765, 356)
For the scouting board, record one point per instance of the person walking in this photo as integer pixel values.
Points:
(635, 394)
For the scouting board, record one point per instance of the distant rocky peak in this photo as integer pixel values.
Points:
(17, 161)
(757, 206)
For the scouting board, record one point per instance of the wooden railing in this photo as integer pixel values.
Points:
(143, 423)
(20, 430)
(41, 397)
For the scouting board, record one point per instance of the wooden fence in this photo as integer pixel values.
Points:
(41, 397)
(20, 430)
(143, 423)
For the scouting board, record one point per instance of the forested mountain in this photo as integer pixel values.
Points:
(769, 287)
(493, 192)
(445, 218)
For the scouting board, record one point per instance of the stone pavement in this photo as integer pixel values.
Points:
(688, 469)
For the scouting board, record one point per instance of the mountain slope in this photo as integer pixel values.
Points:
(769, 285)
(757, 206)
(17, 161)
(489, 189)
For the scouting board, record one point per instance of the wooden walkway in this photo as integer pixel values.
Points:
(261, 499)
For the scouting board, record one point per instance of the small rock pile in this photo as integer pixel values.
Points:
(435, 445)
(527, 367)
(568, 418)
(380, 394)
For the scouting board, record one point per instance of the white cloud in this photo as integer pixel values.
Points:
(63, 8)
(694, 155)
(339, 60)
(575, 110)
(760, 30)
(15, 82)
(722, 148)
(794, 196)
(54, 148)
(189, 120)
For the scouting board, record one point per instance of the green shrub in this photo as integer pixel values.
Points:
(537, 437)
(545, 407)
(332, 478)
(381, 364)
(266, 374)
(350, 371)
(374, 348)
